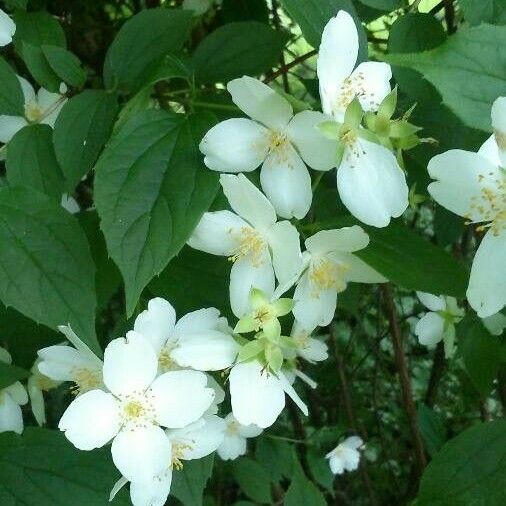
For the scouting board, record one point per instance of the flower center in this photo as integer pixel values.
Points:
(354, 86)
(165, 360)
(33, 112)
(302, 341)
(137, 410)
(85, 380)
(276, 140)
(252, 244)
(326, 274)
(233, 428)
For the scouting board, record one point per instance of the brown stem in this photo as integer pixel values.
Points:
(285, 68)
(449, 16)
(402, 368)
(436, 373)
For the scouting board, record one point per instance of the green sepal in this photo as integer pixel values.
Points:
(353, 115)
(401, 128)
(245, 325)
(250, 350)
(330, 129)
(274, 357)
(282, 307)
(387, 107)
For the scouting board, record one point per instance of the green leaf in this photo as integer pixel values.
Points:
(188, 485)
(432, 429)
(151, 189)
(65, 65)
(9, 374)
(81, 131)
(253, 479)
(12, 102)
(410, 261)
(383, 5)
(313, 15)
(469, 470)
(468, 70)
(142, 42)
(41, 468)
(320, 469)
(39, 67)
(275, 456)
(31, 161)
(17, 4)
(481, 353)
(484, 11)
(237, 49)
(46, 271)
(301, 491)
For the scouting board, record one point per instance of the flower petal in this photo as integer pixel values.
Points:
(343, 239)
(235, 145)
(156, 323)
(260, 102)
(152, 493)
(373, 80)
(11, 418)
(487, 284)
(286, 182)
(257, 396)
(91, 420)
(336, 57)
(461, 177)
(290, 391)
(130, 364)
(432, 302)
(198, 321)
(17, 393)
(208, 350)
(60, 363)
(429, 329)
(141, 453)
(9, 125)
(232, 447)
(248, 201)
(7, 28)
(498, 114)
(28, 91)
(490, 151)
(371, 184)
(286, 255)
(181, 397)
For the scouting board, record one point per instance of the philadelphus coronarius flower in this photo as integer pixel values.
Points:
(260, 247)
(11, 398)
(307, 347)
(275, 138)
(329, 264)
(439, 324)
(135, 406)
(234, 442)
(200, 340)
(65, 363)
(346, 455)
(7, 29)
(37, 384)
(42, 107)
(473, 185)
(369, 180)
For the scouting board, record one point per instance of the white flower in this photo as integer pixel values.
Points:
(258, 395)
(198, 7)
(329, 265)
(495, 324)
(257, 244)
(473, 185)
(307, 347)
(439, 324)
(346, 455)
(11, 398)
(37, 384)
(7, 29)
(69, 203)
(131, 415)
(65, 363)
(274, 138)
(200, 340)
(195, 441)
(234, 443)
(42, 107)
(369, 180)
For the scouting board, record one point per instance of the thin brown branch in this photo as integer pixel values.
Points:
(405, 381)
(436, 373)
(285, 68)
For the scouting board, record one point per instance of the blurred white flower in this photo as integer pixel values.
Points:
(37, 384)
(66, 363)
(11, 398)
(234, 443)
(275, 138)
(42, 107)
(198, 7)
(307, 347)
(438, 324)
(7, 28)
(369, 180)
(138, 404)
(346, 455)
(473, 185)
(70, 204)
(200, 340)
(258, 245)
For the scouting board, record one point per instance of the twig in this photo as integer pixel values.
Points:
(402, 368)
(436, 373)
(450, 16)
(285, 68)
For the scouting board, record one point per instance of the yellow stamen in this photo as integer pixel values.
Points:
(326, 274)
(252, 244)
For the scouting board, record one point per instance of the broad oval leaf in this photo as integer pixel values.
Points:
(237, 49)
(469, 469)
(151, 189)
(64, 64)
(12, 102)
(46, 270)
(31, 161)
(81, 130)
(142, 42)
(188, 484)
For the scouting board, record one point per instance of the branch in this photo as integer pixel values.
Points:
(402, 367)
(436, 373)
(285, 68)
